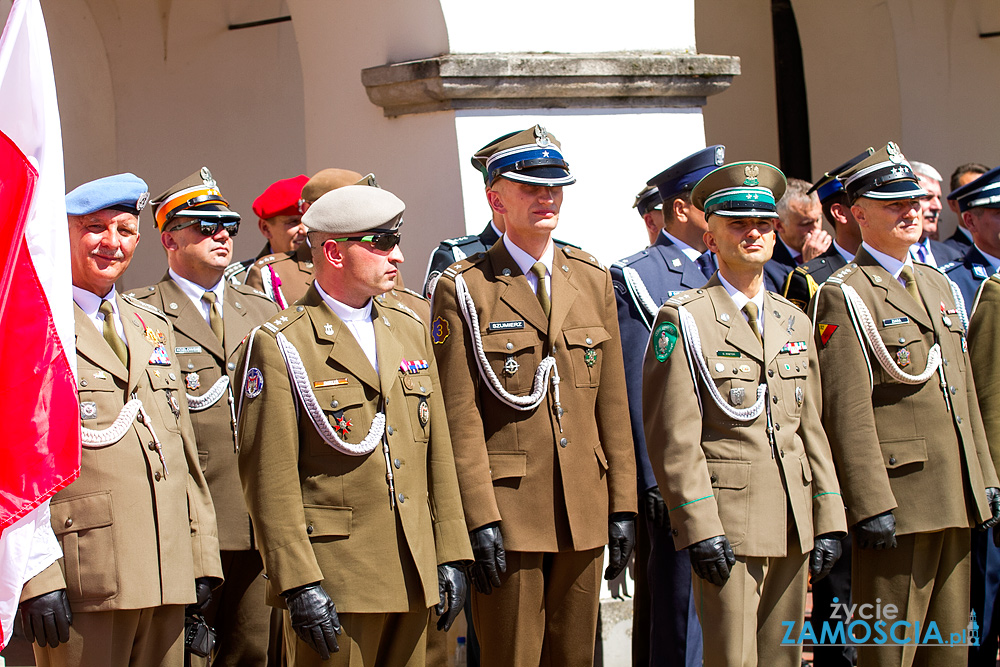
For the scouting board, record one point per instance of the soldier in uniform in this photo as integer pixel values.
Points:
(345, 458)
(802, 282)
(137, 529)
(676, 261)
(978, 213)
(963, 174)
(901, 412)
(210, 319)
(650, 208)
(750, 485)
(547, 472)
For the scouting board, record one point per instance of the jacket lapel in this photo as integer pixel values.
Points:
(234, 317)
(345, 350)
(895, 293)
(140, 349)
(187, 319)
(91, 344)
(777, 330)
(390, 350)
(738, 332)
(564, 293)
(516, 292)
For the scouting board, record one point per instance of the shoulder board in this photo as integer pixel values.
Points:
(284, 318)
(244, 289)
(996, 277)
(141, 292)
(631, 259)
(564, 244)
(143, 305)
(576, 253)
(810, 267)
(274, 257)
(783, 300)
(460, 240)
(685, 297)
(930, 266)
(463, 265)
(236, 268)
(394, 303)
(412, 293)
(945, 268)
(843, 274)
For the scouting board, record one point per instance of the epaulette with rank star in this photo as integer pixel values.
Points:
(463, 265)
(685, 297)
(141, 292)
(134, 301)
(460, 241)
(268, 259)
(246, 289)
(580, 255)
(235, 269)
(778, 297)
(396, 304)
(843, 274)
(284, 318)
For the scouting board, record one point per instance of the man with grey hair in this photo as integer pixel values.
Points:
(801, 236)
(928, 249)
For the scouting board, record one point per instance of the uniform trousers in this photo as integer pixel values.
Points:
(742, 620)
(150, 637)
(927, 578)
(368, 640)
(545, 611)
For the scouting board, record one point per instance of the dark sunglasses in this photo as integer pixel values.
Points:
(212, 227)
(383, 242)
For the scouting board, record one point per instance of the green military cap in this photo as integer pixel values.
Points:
(740, 190)
(354, 209)
(885, 175)
(531, 156)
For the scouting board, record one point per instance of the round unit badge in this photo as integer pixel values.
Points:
(254, 383)
(423, 412)
(193, 381)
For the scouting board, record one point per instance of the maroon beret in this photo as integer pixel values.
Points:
(280, 198)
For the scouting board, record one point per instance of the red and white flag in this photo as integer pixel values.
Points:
(40, 448)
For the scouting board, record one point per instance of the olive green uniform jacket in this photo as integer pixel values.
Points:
(553, 486)
(134, 532)
(321, 515)
(720, 476)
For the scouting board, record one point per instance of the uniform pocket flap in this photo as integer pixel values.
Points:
(328, 520)
(417, 385)
(510, 341)
(728, 368)
(792, 368)
(339, 398)
(508, 464)
(807, 473)
(82, 513)
(602, 459)
(586, 336)
(729, 474)
(196, 362)
(162, 381)
(95, 379)
(898, 453)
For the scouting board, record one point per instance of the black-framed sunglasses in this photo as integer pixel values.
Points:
(385, 241)
(212, 227)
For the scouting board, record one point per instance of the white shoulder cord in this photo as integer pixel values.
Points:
(97, 439)
(300, 380)
(539, 385)
(692, 344)
(867, 327)
(641, 296)
(956, 294)
(209, 398)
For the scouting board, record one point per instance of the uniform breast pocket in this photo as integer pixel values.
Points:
(736, 378)
(906, 347)
(584, 345)
(84, 528)
(418, 389)
(344, 409)
(514, 356)
(198, 371)
(100, 398)
(793, 371)
(166, 397)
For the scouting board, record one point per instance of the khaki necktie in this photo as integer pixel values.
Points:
(214, 319)
(110, 334)
(751, 310)
(543, 296)
(910, 282)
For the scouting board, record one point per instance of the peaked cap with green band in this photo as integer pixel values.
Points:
(740, 190)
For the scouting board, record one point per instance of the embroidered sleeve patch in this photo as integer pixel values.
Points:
(664, 340)
(825, 332)
(254, 383)
(439, 330)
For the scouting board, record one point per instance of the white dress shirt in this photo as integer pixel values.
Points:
(358, 320)
(741, 299)
(196, 292)
(525, 261)
(90, 304)
(890, 264)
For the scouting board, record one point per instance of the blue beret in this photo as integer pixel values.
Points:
(683, 175)
(829, 184)
(984, 192)
(126, 192)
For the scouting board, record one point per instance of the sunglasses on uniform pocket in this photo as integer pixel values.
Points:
(211, 227)
(383, 242)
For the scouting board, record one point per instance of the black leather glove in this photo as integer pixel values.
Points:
(876, 532)
(993, 499)
(452, 589)
(314, 618)
(825, 553)
(47, 618)
(491, 559)
(203, 593)
(656, 509)
(712, 559)
(621, 541)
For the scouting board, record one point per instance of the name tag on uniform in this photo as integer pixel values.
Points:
(194, 349)
(895, 320)
(728, 353)
(506, 326)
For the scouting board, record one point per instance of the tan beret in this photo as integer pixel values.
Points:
(354, 209)
(327, 180)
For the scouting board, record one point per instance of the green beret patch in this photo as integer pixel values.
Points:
(664, 339)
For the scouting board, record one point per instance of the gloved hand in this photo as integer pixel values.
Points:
(993, 499)
(825, 553)
(452, 589)
(621, 541)
(314, 618)
(491, 559)
(876, 532)
(47, 618)
(203, 593)
(656, 509)
(712, 559)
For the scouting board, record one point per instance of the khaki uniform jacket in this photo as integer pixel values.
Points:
(722, 476)
(132, 536)
(897, 446)
(984, 351)
(552, 487)
(320, 515)
(203, 361)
